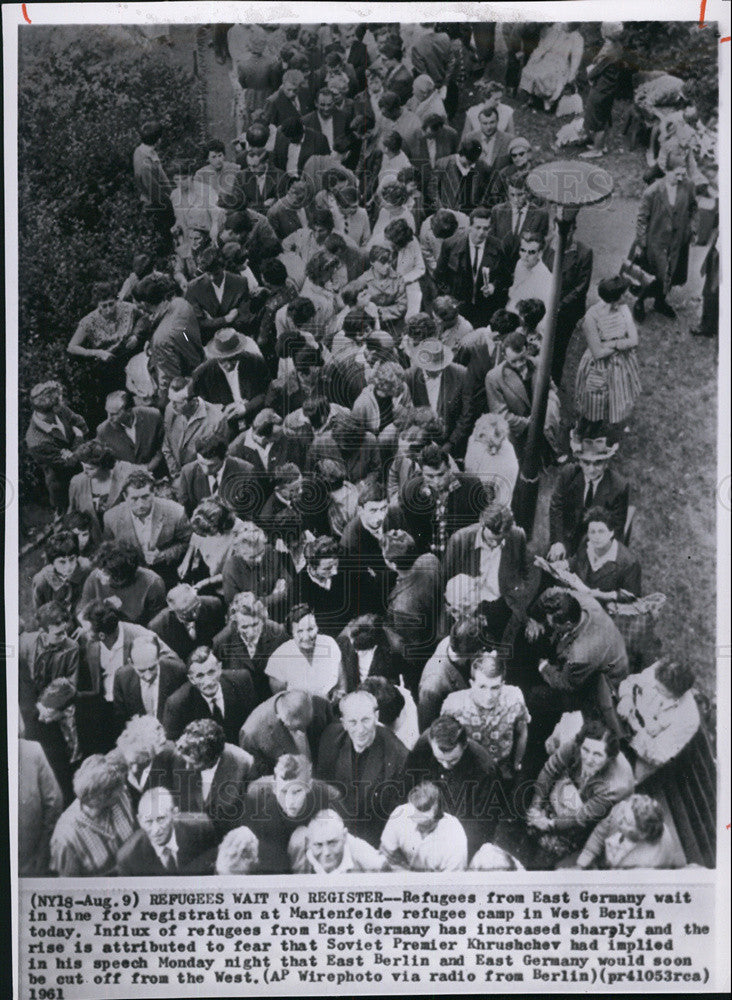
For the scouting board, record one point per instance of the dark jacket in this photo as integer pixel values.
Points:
(194, 836)
(535, 221)
(452, 190)
(193, 486)
(225, 803)
(280, 109)
(517, 579)
(187, 704)
(454, 276)
(266, 738)
(210, 312)
(171, 629)
(363, 562)
(313, 144)
(412, 617)
(567, 506)
(148, 436)
(664, 232)
(231, 649)
(451, 403)
(415, 512)
(128, 695)
(246, 187)
(340, 123)
(210, 383)
(372, 783)
(576, 277)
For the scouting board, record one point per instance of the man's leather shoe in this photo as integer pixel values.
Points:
(662, 307)
(639, 311)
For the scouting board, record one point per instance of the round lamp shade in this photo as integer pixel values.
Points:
(570, 183)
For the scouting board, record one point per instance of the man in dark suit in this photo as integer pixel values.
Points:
(210, 694)
(213, 473)
(166, 843)
(589, 483)
(464, 773)
(494, 552)
(53, 433)
(361, 557)
(326, 119)
(145, 683)
(216, 776)
(435, 503)
(260, 183)
(158, 528)
(509, 389)
(294, 145)
(437, 141)
(365, 761)
(220, 299)
(397, 77)
(494, 143)
(265, 448)
(289, 722)
(288, 214)
(576, 277)
(132, 433)
(292, 100)
(189, 621)
(459, 181)
(234, 376)
(248, 641)
(512, 218)
(434, 381)
(474, 270)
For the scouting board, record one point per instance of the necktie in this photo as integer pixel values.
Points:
(169, 859)
(216, 713)
(148, 699)
(590, 495)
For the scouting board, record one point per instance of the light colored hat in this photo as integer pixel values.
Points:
(432, 355)
(591, 447)
(42, 389)
(612, 29)
(228, 343)
(518, 143)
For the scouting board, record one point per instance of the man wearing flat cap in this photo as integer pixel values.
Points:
(53, 434)
(234, 376)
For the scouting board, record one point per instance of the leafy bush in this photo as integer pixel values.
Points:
(82, 96)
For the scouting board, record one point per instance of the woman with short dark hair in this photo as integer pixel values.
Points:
(100, 484)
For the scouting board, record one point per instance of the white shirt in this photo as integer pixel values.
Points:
(207, 778)
(219, 289)
(293, 157)
(289, 666)
(143, 530)
(596, 561)
(490, 561)
(326, 127)
(111, 661)
(232, 378)
(432, 385)
(518, 217)
(262, 451)
(444, 849)
(139, 783)
(131, 431)
(149, 694)
(432, 150)
(214, 484)
(476, 256)
(365, 659)
(301, 742)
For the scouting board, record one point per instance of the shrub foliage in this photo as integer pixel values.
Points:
(80, 105)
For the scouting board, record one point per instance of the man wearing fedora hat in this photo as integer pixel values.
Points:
(588, 483)
(234, 376)
(435, 381)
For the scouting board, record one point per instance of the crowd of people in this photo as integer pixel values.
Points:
(287, 621)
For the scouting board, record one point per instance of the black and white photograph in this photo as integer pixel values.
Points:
(364, 496)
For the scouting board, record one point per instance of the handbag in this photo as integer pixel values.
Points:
(638, 279)
(635, 621)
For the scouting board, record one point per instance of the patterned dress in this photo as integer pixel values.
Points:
(607, 388)
(493, 728)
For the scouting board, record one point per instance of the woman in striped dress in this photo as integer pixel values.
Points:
(608, 382)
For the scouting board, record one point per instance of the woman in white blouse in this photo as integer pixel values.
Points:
(410, 267)
(310, 661)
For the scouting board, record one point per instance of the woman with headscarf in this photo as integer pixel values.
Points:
(608, 381)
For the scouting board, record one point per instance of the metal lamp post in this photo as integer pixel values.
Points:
(569, 185)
